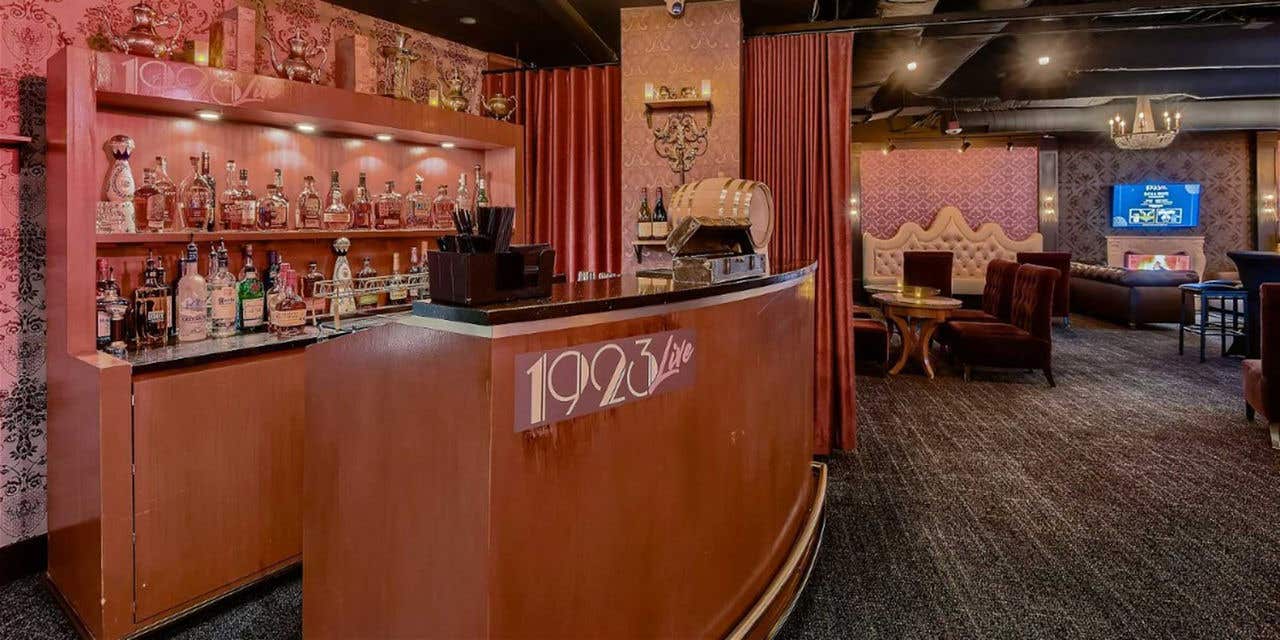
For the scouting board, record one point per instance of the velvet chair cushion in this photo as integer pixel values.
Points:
(997, 295)
(928, 269)
(996, 344)
(1060, 260)
(870, 341)
(1262, 376)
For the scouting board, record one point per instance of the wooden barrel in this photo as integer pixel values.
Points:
(726, 197)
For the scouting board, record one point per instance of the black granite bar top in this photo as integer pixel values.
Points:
(185, 354)
(594, 296)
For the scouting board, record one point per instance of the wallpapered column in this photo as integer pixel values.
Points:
(704, 44)
(31, 32)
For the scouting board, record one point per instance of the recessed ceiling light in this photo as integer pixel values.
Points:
(206, 114)
(467, 20)
(448, 145)
(305, 127)
(384, 137)
(1044, 60)
(912, 66)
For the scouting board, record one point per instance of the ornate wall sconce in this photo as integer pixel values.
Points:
(680, 140)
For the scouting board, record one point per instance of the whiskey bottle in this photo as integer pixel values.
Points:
(415, 289)
(197, 199)
(271, 282)
(308, 288)
(151, 308)
(644, 220)
(250, 295)
(191, 299)
(212, 185)
(273, 210)
(310, 209)
(417, 207)
(361, 207)
(388, 208)
(229, 201)
(336, 214)
(169, 191)
(367, 300)
(482, 194)
(343, 301)
(398, 291)
(246, 203)
(148, 204)
(223, 299)
(108, 296)
(289, 315)
(660, 226)
(442, 209)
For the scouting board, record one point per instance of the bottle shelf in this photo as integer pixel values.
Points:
(183, 237)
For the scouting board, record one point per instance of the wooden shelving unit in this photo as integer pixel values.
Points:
(171, 488)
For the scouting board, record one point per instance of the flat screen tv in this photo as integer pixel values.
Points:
(1155, 205)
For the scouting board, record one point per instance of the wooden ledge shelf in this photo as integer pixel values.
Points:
(678, 103)
(11, 140)
(183, 237)
(639, 246)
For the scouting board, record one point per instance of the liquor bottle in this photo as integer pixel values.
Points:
(212, 184)
(151, 307)
(162, 276)
(250, 294)
(224, 297)
(289, 315)
(415, 290)
(196, 200)
(169, 191)
(343, 302)
(108, 294)
(644, 221)
(367, 300)
(191, 294)
(310, 212)
(398, 291)
(336, 214)
(361, 207)
(247, 204)
(482, 194)
(660, 226)
(307, 288)
(388, 208)
(271, 282)
(229, 201)
(462, 199)
(442, 208)
(417, 207)
(273, 210)
(148, 204)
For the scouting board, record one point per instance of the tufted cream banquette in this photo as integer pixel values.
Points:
(882, 259)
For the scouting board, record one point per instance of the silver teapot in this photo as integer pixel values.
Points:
(297, 65)
(142, 39)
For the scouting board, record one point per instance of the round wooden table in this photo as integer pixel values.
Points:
(917, 318)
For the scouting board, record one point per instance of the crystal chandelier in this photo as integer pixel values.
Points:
(1144, 134)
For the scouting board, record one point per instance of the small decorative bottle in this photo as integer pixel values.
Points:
(191, 299)
(148, 204)
(388, 208)
(223, 300)
(120, 185)
(336, 214)
(166, 187)
(415, 290)
(398, 291)
(151, 308)
(289, 315)
(343, 302)
(246, 206)
(273, 211)
(361, 207)
(250, 294)
(308, 288)
(310, 209)
(367, 300)
(417, 207)
(442, 208)
(197, 200)
(229, 201)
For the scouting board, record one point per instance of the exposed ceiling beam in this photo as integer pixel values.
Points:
(596, 49)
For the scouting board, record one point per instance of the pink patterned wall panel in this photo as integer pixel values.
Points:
(986, 184)
(30, 32)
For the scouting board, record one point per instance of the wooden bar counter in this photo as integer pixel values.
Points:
(628, 459)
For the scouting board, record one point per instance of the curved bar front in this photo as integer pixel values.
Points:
(633, 465)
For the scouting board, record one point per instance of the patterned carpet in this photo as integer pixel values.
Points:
(1133, 501)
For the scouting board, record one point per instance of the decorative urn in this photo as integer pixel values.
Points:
(455, 98)
(142, 39)
(296, 66)
(500, 107)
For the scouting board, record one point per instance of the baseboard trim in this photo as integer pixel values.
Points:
(24, 558)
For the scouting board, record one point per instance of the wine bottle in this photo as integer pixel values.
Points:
(644, 220)
(660, 226)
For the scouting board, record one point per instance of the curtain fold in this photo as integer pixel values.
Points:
(572, 161)
(796, 121)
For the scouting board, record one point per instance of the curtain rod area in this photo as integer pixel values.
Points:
(489, 72)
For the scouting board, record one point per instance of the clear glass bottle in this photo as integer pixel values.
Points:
(224, 299)
(310, 212)
(361, 207)
(197, 200)
(417, 207)
(442, 208)
(388, 208)
(148, 204)
(308, 288)
(398, 291)
(273, 210)
(271, 282)
(191, 299)
(289, 315)
(415, 290)
(364, 300)
(229, 201)
(151, 308)
(462, 199)
(250, 295)
(246, 203)
(169, 192)
(107, 298)
(336, 215)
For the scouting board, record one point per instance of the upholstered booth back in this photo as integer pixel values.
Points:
(1269, 338)
(1033, 299)
(997, 295)
(882, 259)
(1256, 268)
(1060, 260)
(928, 269)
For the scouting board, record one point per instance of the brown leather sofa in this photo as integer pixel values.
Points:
(1026, 342)
(1128, 297)
(1060, 260)
(1262, 376)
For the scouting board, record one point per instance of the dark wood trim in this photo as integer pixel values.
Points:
(24, 558)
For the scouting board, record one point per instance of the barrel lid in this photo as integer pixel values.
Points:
(701, 235)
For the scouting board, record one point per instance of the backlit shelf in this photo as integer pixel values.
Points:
(182, 237)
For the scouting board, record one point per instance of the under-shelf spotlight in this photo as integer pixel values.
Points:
(1044, 61)
(384, 137)
(305, 127)
(448, 145)
(912, 66)
(1008, 145)
(208, 114)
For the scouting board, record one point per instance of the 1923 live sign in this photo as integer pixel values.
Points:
(566, 383)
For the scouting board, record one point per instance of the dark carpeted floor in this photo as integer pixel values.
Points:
(1133, 501)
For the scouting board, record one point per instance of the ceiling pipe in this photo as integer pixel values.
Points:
(951, 54)
(1223, 115)
(597, 50)
(878, 55)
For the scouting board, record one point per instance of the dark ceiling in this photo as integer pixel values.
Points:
(969, 53)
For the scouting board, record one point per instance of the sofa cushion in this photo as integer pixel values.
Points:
(1132, 278)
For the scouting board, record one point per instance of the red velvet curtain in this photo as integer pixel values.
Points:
(572, 161)
(796, 121)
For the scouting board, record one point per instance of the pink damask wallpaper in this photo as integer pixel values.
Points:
(704, 44)
(987, 184)
(30, 32)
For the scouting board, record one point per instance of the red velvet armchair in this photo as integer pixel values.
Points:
(1262, 376)
(928, 269)
(1025, 342)
(1060, 260)
(997, 295)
